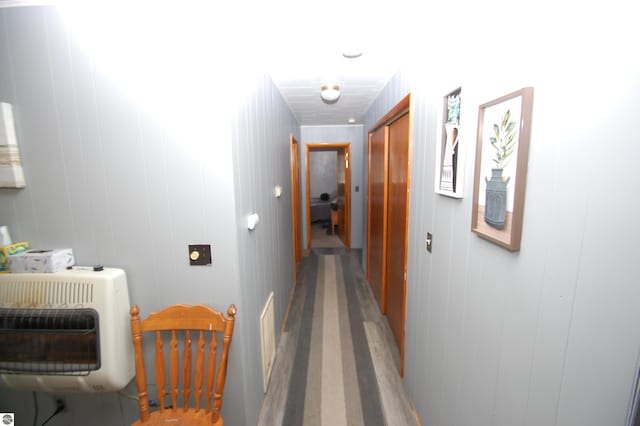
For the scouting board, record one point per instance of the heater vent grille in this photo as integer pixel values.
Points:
(268, 338)
(41, 293)
(49, 341)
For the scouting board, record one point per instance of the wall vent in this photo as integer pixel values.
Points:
(268, 339)
(46, 292)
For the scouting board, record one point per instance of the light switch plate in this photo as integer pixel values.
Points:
(199, 254)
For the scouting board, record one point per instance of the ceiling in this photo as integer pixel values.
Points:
(299, 65)
(360, 80)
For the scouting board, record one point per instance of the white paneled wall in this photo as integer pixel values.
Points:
(394, 92)
(122, 185)
(323, 169)
(261, 130)
(549, 335)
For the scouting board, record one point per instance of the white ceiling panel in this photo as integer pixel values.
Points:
(361, 79)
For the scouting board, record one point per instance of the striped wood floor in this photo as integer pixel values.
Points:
(337, 363)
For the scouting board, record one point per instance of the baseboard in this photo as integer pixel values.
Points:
(291, 293)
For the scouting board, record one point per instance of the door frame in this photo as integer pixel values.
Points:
(294, 152)
(329, 146)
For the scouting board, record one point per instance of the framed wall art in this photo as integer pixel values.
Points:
(504, 128)
(449, 152)
(11, 173)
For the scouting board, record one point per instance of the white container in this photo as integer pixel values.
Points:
(5, 239)
(35, 260)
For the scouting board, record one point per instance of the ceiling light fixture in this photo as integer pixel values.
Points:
(330, 94)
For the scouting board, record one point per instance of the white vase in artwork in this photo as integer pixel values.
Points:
(448, 173)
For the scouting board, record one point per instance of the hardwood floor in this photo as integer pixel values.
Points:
(322, 238)
(335, 337)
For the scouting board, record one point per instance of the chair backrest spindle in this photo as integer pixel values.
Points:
(186, 368)
(211, 369)
(160, 370)
(173, 370)
(199, 369)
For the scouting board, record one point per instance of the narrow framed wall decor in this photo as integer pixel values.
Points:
(502, 151)
(449, 152)
(11, 173)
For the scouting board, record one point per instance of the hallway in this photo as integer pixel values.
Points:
(336, 362)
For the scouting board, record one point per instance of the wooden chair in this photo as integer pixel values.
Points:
(175, 321)
(334, 220)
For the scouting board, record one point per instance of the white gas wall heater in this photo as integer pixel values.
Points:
(67, 331)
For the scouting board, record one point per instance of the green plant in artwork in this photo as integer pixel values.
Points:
(453, 109)
(504, 140)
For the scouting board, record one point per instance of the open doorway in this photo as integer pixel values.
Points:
(328, 195)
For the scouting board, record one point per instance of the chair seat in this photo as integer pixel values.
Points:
(180, 417)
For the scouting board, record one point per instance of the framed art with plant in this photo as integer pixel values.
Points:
(504, 129)
(449, 152)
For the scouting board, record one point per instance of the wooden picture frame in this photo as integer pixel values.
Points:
(502, 151)
(450, 151)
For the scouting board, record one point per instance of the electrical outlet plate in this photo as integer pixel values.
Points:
(61, 403)
(199, 254)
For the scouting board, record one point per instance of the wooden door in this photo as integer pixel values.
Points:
(295, 201)
(398, 200)
(377, 214)
(387, 215)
